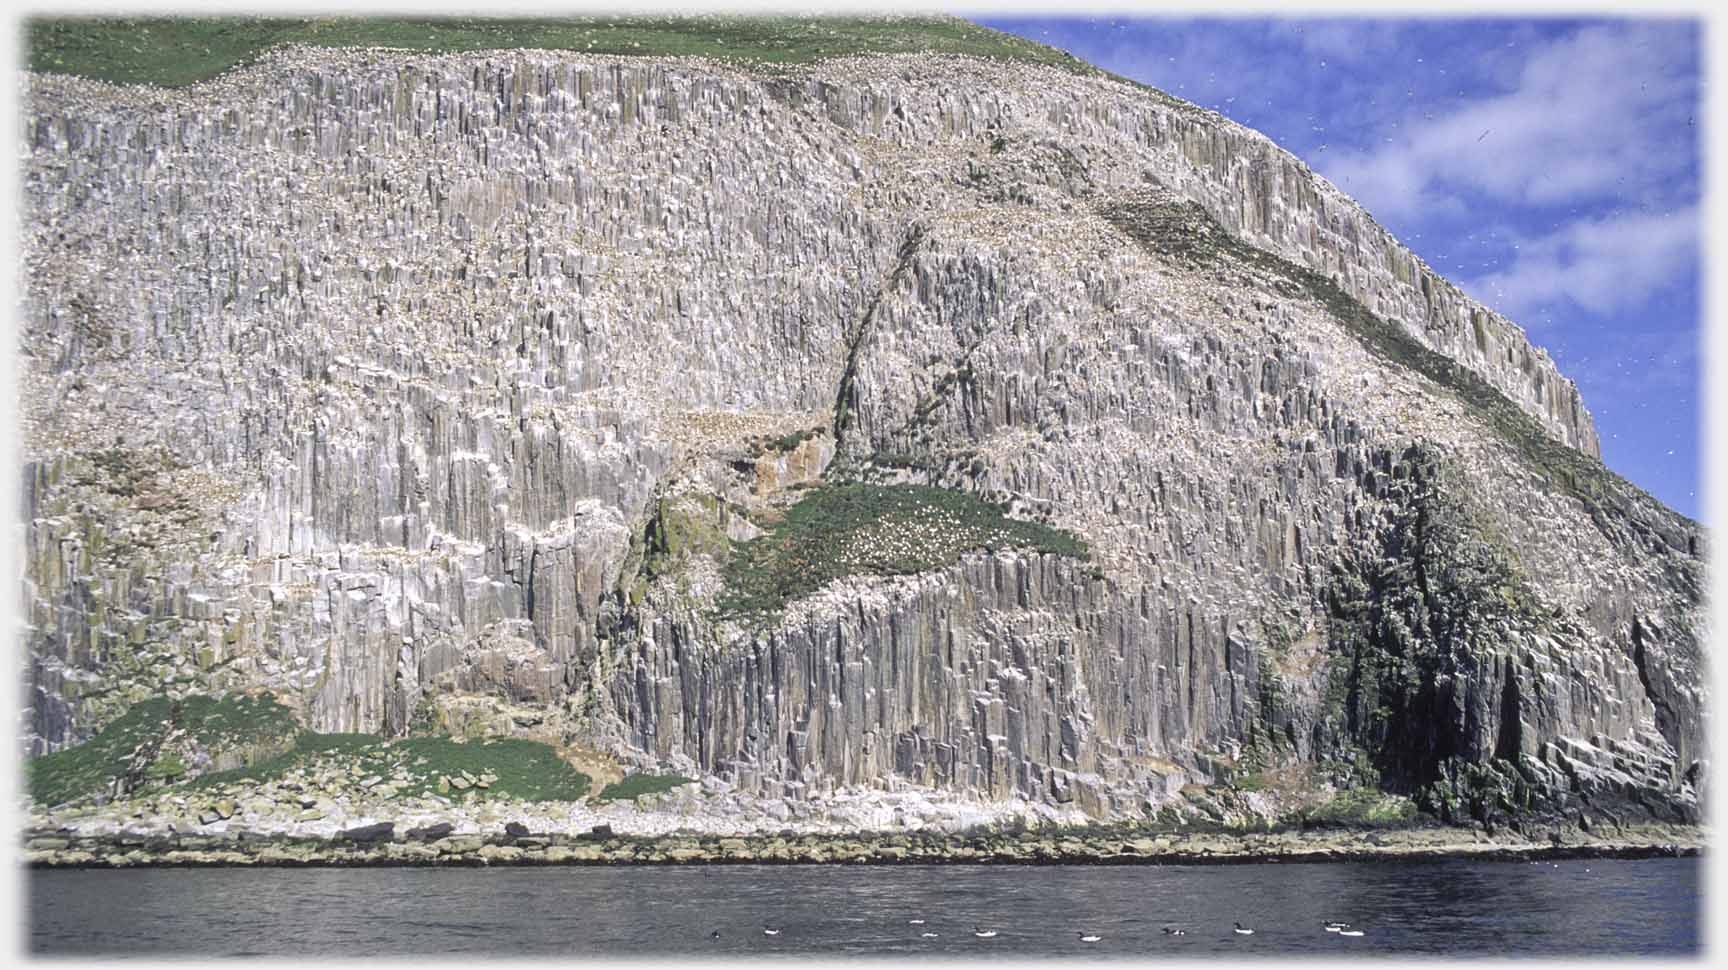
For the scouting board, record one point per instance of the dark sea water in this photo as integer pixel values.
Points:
(1597, 908)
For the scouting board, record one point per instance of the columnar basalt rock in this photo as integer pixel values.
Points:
(366, 377)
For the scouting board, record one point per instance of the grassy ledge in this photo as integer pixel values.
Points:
(1187, 232)
(510, 767)
(177, 745)
(872, 530)
(635, 786)
(152, 740)
(177, 51)
(91, 767)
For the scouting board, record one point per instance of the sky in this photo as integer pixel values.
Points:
(1551, 168)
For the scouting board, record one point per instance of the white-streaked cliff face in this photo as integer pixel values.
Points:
(356, 376)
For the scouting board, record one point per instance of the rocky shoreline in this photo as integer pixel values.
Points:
(381, 845)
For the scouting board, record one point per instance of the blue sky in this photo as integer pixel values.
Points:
(1549, 167)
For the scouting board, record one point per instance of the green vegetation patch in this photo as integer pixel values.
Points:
(177, 51)
(872, 530)
(237, 720)
(1253, 781)
(132, 749)
(88, 768)
(682, 527)
(519, 768)
(678, 528)
(1362, 807)
(787, 442)
(634, 786)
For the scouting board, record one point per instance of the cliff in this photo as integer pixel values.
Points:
(490, 392)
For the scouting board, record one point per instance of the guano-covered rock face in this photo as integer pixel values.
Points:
(406, 385)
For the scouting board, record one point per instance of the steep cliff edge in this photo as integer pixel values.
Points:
(492, 390)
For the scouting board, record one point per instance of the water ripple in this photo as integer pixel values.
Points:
(1617, 907)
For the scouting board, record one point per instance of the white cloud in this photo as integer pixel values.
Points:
(1603, 265)
(1587, 119)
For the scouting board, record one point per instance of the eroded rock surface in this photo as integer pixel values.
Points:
(398, 384)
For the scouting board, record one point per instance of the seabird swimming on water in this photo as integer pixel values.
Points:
(769, 930)
(714, 935)
(1089, 937)
(1173, 931)
(1243, 930)
(982, 934)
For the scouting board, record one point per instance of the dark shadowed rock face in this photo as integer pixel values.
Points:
(431, 833)
(376, 832)
(444, 387)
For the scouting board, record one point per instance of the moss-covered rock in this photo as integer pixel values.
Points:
(1416, 617)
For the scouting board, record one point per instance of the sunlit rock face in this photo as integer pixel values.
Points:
(380, 381)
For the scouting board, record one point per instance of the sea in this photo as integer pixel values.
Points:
(1452, 908)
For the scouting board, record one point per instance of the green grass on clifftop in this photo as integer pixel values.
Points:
(177, 51)
(872, 530)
